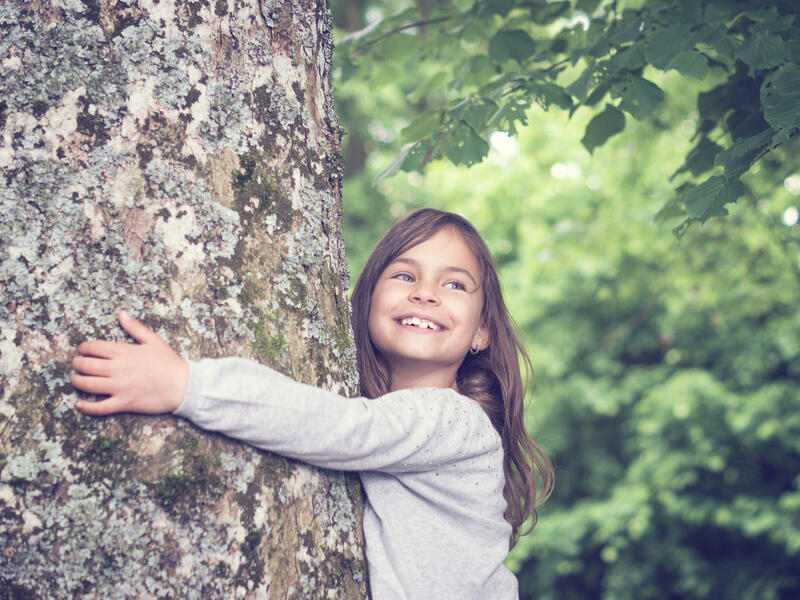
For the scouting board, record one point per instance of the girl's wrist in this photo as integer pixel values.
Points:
(180, 386)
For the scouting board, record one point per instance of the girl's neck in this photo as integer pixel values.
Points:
(402, 379)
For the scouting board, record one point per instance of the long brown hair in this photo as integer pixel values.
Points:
(491, 377)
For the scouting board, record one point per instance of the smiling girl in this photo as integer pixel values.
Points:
(438, 438)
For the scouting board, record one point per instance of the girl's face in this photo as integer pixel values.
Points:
(425, 311)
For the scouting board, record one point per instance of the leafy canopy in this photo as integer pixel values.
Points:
(482, 64)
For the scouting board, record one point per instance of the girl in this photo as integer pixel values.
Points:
(449, 472)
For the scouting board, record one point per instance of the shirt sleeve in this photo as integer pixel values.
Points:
(407, 430)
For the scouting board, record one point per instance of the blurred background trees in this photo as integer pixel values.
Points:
(665, 339)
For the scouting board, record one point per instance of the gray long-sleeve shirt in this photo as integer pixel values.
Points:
(429, 459)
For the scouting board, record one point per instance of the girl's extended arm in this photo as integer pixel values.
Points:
(405, 430)
(148, 377)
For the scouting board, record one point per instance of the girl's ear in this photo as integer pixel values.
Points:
(481, 339)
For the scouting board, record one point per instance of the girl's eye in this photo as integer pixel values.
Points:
(403, 277)
(456, 285)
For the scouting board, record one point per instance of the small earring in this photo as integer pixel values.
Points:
(474, 349)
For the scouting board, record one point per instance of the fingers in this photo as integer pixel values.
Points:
(138, 331)
(100, 348)
(92, 385)
(148, 377)
(92, 366)
(109, 406)
(105, 349)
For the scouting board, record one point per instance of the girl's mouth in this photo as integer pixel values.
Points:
(421, 323)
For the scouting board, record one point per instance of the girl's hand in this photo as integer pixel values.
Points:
(148, 377)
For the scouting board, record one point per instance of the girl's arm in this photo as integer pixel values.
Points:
(406, 430)
(148, 377)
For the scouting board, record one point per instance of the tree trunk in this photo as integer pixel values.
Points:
(179, 159)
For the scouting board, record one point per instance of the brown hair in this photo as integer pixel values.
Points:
(491, 377)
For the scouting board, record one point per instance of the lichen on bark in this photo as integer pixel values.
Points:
(172, 158)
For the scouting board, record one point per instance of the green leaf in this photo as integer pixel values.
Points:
(780, 97)
(602, 127)
(587, 6)
(478, 70)
(780, 137)
(672, 208)
(422, 126)
(478, 113)
(628, 58)
(641, 97)
(627, 31)
(710, 197)
(762, 52)
(597, 94)
(512, 44)
(691, 64)
(681, 229)
(720, 12)
(762, 15)
(662, 46)
(497, 7)
(544, 13)
(414, 157)
(775, 23)
(583, 85)
(513, 111)
(739, 157)
(745, 121)
(598, 48)
(457, 112)
(701, 158)
(717, 37)
(736, 90)
(409, 159)
(547, 93)
(464, 146)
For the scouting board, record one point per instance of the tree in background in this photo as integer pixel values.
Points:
(667, 373)
(179, 160)
(474, 67)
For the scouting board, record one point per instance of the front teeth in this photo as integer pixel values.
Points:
(417, 322)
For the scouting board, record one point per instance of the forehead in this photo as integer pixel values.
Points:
(444, 249)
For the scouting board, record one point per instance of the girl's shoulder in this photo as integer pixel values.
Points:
(445, 405)
(444, 396)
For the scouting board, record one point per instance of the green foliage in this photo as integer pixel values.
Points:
(603, 126)
(514, 44)
(667, 374)
(479, 66)
(710, 197)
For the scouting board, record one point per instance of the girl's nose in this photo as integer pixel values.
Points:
(425, 294)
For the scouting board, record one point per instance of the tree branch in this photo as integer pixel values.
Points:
(392, 32)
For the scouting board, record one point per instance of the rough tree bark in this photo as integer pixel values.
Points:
(179, 158)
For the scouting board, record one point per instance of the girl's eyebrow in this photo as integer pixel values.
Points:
(449, 269)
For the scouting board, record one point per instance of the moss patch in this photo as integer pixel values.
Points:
(174, 488)
(250, 551)
(191, 483)
(256, 194)
(12, 591)
(268, 348)
(103, 448)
